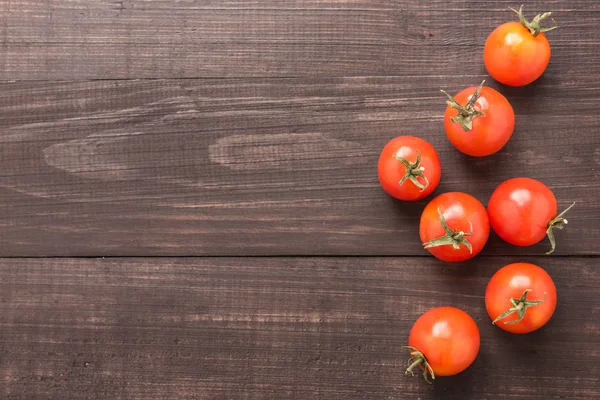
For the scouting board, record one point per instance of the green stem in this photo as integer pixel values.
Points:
(520, 307)
(534, 25)
(451, 237)
(466, 113)
(557, 223)
(418, 359)
(413, 172)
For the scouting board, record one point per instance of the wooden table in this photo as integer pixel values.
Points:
(190, 206)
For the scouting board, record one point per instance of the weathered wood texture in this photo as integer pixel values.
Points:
(267, 166)
(277, 328)
(86, 39)
(253, 127)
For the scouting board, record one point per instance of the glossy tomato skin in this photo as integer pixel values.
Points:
(458, 209)
(510, 282)
(449, 339)
(490, 132)
(391, 171)
(520, 210)
(513, 56)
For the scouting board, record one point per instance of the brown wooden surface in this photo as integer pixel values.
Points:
(86, 39)
(228, 129)
(277, 328)
(266, 166)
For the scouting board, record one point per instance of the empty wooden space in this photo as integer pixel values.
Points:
(266, 166)
(310, 328)
(189, 203)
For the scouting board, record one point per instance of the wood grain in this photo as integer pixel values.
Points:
(276, 328)
(88, 39)
(252, 128)
(266, 166)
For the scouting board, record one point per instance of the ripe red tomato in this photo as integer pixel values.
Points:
(522, 211)
(479, 121)
(518, 53)
(444, 341)
(520, 298)
(454, 226)
(409, 168)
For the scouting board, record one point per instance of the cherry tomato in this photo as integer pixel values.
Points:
(518, 53)
(409, 168)
(444, 341)
(520, 298)
(454, 226)
(479, 121)
(522, 211)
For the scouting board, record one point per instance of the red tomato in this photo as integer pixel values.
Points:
(520, 298)
(517, 53)
(409, 168)
(522, 211)
(444, 341)
(454, 226)
(479, 121)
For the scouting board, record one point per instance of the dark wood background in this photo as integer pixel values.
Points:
(189, 205)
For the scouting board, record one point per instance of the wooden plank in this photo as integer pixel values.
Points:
(276, 328)
(266, 166)
(86, 39)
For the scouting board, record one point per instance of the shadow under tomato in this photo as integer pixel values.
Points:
(498, 247)
(456, 269)
(460, 386)
(409, 208)
(406, 215)
(490, 170)
(539, 87)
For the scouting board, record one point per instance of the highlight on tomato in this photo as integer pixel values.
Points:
(444, 341)
(479, 121)
(454, 226)
(522, 212)
(518, 53)
(409, 168)
(520, 298)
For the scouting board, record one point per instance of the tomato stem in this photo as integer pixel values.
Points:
(451, 237)
(557, 223)
(417, 358)
(413, 171)
(466, 113)
(534, 26)
(520, 307)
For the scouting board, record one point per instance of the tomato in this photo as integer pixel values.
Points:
(522, 211)
(454, 226)
(409, 168)
(479, 121)
(518, 53)
(520, 298)
(444, 341)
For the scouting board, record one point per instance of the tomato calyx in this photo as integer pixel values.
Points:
(534, 25)
(557, 223)
(417, 358)
(520, 307)
(451, 237)
(413, 171)
(466, 113)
